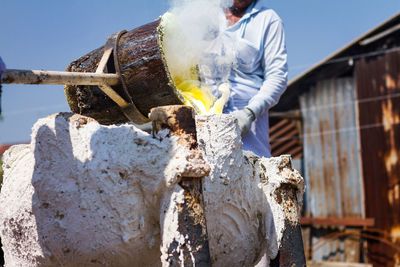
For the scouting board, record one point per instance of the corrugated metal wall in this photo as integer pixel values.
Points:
(378, 89)
(331, 158)
(331, 150)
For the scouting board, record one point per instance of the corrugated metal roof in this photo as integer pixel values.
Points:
(323, 70)
(380, 28)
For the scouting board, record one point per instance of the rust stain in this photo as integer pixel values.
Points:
(389, 116)
(390, 82)
(389, 119)
(391, 197)
(395, 234)
(392, 160)
(381, 148)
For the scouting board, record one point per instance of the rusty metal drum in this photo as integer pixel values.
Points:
(143, 70)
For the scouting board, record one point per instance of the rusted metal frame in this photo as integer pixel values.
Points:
(291, 253)
(291, 250)
(179, 120)
(355, 222)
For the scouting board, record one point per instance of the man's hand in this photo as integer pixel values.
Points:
(245, 117)
(2, 68)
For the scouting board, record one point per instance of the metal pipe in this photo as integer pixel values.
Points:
(58, 77)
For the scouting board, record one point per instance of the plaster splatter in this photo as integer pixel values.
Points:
(84, 194)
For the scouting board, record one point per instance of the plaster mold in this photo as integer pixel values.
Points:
(85, 194)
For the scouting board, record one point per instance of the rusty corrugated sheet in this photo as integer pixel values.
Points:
(378, 89)
(331, 158)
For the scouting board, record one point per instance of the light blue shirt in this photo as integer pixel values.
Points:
(260, 76)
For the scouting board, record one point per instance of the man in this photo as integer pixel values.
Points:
(2, 68)
(260, 76)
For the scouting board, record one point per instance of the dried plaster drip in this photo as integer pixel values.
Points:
(169, 223)
(83, 194)
(278, 181)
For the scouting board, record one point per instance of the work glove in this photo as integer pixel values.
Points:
(245, 118)
(2, 68)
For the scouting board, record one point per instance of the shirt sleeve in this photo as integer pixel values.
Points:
(274, 64)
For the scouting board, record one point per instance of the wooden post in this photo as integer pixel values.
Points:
(193, 248)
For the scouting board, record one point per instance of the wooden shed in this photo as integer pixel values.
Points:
(345, 118)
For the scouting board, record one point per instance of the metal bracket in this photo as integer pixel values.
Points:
(128, 108)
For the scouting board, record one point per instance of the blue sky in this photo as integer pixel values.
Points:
(49, 34)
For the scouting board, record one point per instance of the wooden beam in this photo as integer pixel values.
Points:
(290, 127)
(294, 115)
(58, 77)
(355, 222)
(336, 264)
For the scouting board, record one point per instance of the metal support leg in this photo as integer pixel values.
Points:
(291, 251)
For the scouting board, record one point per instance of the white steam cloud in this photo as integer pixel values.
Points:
(194, 37)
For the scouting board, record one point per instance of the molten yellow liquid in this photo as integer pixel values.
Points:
(181, 57)
(196, 95)
(201, 97)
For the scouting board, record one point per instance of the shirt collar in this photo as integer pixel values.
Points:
(254, 8)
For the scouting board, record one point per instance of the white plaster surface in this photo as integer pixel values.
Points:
(84, 194)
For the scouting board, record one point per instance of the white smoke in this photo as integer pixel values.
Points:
(194, 36)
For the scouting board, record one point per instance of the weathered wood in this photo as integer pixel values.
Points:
(143, 70)
(191, 215)
(337, 264)
(104, 60)
(128, 108)
(58, 77)
(355, 222)
(291, 250)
